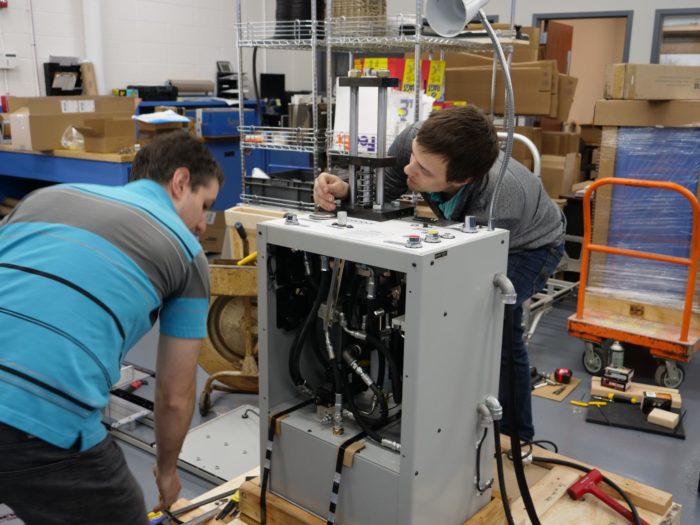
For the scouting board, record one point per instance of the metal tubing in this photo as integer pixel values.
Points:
(354, 91)
(509, 114)
(381, 146)
(314, 84)
(417, 63)
(537, 162)
(239, 81)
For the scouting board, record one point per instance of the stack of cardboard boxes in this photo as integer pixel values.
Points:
(38, 123)
(539, 91)
(650, 95)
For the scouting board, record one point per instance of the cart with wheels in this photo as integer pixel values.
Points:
(671, 335)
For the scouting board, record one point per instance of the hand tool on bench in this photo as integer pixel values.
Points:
(588, 484)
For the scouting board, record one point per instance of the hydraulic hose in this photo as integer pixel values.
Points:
(298, 343)
(515, 417)
(396, 384)
(367, 380)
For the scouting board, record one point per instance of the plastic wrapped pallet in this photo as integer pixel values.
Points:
(643, 219)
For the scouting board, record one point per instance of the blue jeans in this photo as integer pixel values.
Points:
(47, 485)
(528, 271)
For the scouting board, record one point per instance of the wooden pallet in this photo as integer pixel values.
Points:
(548, 484)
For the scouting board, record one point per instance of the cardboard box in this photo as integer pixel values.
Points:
(560, 173)
(147, 131)
(212, 240)
(530, 52)
(522, 52)
(108, 135)
(38, 123)
(560, 142)
(674, 113)
(521, 153)
(539, 89)
(567, 91)
(87, 74)
(534, 84)
(652, 82)
(78, 105)
(42, 132)
(5, 127)
(591, 135)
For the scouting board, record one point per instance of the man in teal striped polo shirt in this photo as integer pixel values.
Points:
(85, 271)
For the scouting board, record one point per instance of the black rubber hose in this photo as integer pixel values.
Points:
(396, 385)
(376, 389)
(381, 370)
(383, 406)
(298, 343)
(371, 432)
(501, 477)
(255, 81)
(607, 480)
(515, 417)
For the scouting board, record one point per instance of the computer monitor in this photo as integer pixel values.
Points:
(272, 86)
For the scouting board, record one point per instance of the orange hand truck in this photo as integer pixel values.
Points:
(670, 335)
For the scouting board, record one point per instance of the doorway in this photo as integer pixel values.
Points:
(583, 44)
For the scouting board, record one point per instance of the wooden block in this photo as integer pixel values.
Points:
(545, 493)
(663, 418)
(635, 390)
(232, 281)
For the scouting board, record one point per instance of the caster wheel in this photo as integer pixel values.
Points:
(669, 378)
(594, 360)
(204, 403)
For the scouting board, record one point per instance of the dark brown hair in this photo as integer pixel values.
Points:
(159, 159)
(465, 137)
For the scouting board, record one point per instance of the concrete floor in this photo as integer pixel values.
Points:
(669, 464)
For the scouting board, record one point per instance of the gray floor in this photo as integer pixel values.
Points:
(670, 464)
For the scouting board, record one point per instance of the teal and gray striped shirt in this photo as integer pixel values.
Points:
(85, 271)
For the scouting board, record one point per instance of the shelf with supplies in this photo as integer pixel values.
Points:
(345, 34)
(280, 139)
(359, 33)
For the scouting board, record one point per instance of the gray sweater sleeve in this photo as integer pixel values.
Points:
(394, 177)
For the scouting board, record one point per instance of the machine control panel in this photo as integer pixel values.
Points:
(400, 234)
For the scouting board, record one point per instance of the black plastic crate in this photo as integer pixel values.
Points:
(292, 185)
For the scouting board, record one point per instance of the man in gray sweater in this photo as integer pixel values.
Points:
(453, 160)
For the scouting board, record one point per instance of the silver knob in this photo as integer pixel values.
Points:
(342, 218)
(469, 225)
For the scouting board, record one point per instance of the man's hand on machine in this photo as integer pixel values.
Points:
(328, 188)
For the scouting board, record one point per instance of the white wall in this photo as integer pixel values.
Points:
(144, 41)
(150, 41)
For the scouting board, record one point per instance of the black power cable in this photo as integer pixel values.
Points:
(501, 477)
(478, 465)
(515, 417)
